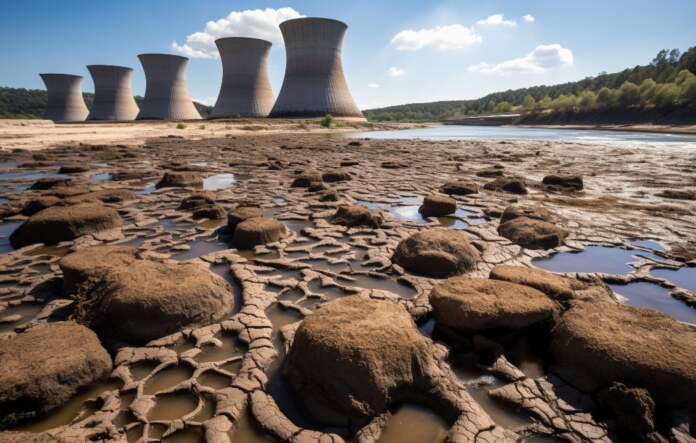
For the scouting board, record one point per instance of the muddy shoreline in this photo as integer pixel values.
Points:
(225, 379)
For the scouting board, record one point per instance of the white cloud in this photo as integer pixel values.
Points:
(496, 20)
(444, 38)
(258, 23)
(396, 72)
(374, 85)
(528, 18)
(543, 58)
(208, 101)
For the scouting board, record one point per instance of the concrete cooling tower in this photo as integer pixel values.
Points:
(166, 94)
(113, 97)
(245, 90)
(65, 102)
(314, 84)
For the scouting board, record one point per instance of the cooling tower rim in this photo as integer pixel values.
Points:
(90, 67)
(290, 22)
(241, 39)
(152, 55)
(59, 75)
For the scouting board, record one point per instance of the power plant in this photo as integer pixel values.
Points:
(65, 102)
(166, 94)
(245, 90)
(314, 83)
(113, 97)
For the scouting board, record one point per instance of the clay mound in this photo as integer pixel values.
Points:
(211, 212)
(558, 287)
(49, 182)
(317, 187)
(475, 305)
(511, 185)
(45, 366)
(516, 211)
(305, 179)
(355, 357)
(130, 174)
(532, 234)
(336, 176)
(119, 294)
(105, 196)
(63, 223)
(356, 215)
(72, 169)
(180, 180)
(395, 165)
(258, 231)
(436, 253)
(329, 196)
(564, 181)
(241, 213)
(196, 201)
(438, 205)
(39, 204)
(490, 173)
(596, 345)
(459, 188)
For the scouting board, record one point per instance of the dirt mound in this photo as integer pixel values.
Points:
(45, 366)
(675, 194)
(39, 204)
(305, 179)
(516, 211)
(211, 212)
(356, 215)
(503, 184)
(531, 233)
(459, 188)
(596, 345)
(354, 358)
(119, 294)
(558, 287)
(241, 213)
(63, 223)
(105, 196)
(130, 174)
(436, 253)
(258, 231)
(438, 205)
(72, 169)
(180, 179)
(336, 176)
(49, 182)
(474, 305)
(196, 201)
(565, 181)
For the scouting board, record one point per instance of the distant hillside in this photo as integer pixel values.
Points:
(667, 83)
(30, 103)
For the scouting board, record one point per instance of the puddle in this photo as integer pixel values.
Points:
(104, 176)
(173, 406)
(6, 229)
(250, 255)
(223, 270)
(215, 380)
(609, 260)
(319, 263)
(231, 347)
(427, 328)
(194, 435)
(27, 310)
(382, 284)
(207, 411)
(298, 225)
(280, 316)
(452, 223)
(199, 248)
(647, 243)
(232, 367)
(212, 223)
(200, 163)
(219, 181)
(408, 213)
(370, 205)
(290, 403)
(167, 378)
(685, 278)
(410, 423)
(55, 251)
(142, 369)
(148, 189)
(68, 411)
(650, 295)
(248, 431)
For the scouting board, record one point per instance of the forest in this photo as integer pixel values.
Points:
(667, 83)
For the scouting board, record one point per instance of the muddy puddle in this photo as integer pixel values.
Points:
(411, 423)
(52, 250)
(219, 181)
(168, 378)
(173, 406)
(248, 431)
(198, 248)
(608, 260)
(16, 315)
(650, 295)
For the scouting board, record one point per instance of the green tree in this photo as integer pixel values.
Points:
(666, 95)
(502, 107)
(606, 98)
(587, 99)
(545, 102)
(528, 102)
(647, 91)
(628, 94)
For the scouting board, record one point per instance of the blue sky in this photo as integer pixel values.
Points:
(395, 51)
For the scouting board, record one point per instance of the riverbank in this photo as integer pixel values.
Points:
(649, 128)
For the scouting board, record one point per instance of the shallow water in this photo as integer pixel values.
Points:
(684, 277)
(610, 260)
(408, 213)
(223, 270)
(453, 132)
(173, 406)
(219, 181)
(247, 431)
(27, 310)
(193, 435)
(650, 295)
(56, 251)
(104, 176)
(214, 380)
(6, 229)
(231, 347)
(411, 423)
(647, 243)
(382, 284)
(198, 248)
(167, 378)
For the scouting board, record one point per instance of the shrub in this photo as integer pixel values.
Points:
(628, 94)
(327, 121)
(181, 126)
(587, 99)
(606, 98)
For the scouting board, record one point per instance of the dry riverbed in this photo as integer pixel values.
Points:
(321, 309)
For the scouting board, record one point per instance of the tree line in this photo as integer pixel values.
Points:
(31, 103)
(668, 82)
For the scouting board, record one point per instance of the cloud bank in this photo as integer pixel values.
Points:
(451, 37)
(542, 59)
(396, 72)
(258, 23)
(496, 20)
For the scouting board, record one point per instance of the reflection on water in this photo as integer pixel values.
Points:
(410, 423)
(369, 205)
(6, 229)
(408, 213)
(646, 243)
(56, 251)
(230, 348)
(650, 295)
(684, 277)
(515, 133)
(219, 181)
(68, 411)
(104, 176)
(610, 260)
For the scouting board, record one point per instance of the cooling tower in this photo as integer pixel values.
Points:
(245, 90)
(314, 84)
(113, 97)
(65, 102)
(166, 94)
